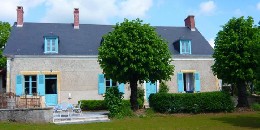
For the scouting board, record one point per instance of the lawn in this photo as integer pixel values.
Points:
(219, 121)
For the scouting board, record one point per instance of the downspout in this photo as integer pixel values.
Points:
(8, 75)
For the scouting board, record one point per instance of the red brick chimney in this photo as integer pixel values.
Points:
(19, 16)
(190, 22)
(76, 18)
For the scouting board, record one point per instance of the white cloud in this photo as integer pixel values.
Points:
(91, 11)
(134, 8)
(8, 8)
(207, 8)
(211, 42)
(258, 6)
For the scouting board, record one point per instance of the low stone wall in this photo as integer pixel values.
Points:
(32, 115)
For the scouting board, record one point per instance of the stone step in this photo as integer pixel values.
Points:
(80, 119)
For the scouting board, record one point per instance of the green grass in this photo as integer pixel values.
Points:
(222, 121)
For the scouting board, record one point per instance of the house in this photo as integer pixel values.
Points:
(58, 61)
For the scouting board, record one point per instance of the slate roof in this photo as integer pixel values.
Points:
(28, 40)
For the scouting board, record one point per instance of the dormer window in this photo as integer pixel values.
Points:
(185, 47)
(51, 44)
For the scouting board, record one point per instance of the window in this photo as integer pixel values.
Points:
(185, 47)
(30, 84)
(51, 44)
(110, 83)
(188, 82)
(51, 84)
(104, 84)
(188, 79)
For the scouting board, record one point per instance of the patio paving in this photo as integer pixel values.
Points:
(78, 118)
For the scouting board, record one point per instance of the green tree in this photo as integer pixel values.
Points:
(235, 55)
(134, 52)
(257, 81)
(5, 29)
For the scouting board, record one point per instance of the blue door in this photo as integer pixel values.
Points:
(150, 88)
(51, 96)
(51, 99)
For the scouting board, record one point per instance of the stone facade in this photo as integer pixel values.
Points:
(209, 82)
(79, 75)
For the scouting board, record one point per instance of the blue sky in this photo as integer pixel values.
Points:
(210, 15)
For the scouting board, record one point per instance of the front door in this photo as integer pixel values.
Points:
(150, 88)
(51, 96)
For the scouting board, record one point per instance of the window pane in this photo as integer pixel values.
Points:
(51, 84)
(26, 90)
(183, 46)
(26, 78)
(34, 84)
(107, 82)
(26, 84)
(34, 90)
(33, 78)
(48, 44)
(187, 47)
(113, 83)
(53, 45)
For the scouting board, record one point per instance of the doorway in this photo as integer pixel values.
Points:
(51, 96)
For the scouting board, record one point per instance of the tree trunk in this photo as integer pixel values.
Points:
(242, 97)
(133, 97)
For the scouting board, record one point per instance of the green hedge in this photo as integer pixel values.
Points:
(90, 105)
(191, 102)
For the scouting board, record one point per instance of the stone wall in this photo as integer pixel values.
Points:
(79, 75)
(32, 115)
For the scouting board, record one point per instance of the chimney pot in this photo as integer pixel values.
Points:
(190, 22)
(76, 18)
(19, 16)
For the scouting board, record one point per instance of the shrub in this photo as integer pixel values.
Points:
(126, 103)
(93, 105)
(126, 110)
(163, 88)
(191, 102)
(256, 107)
(140, 97)
(257, 87)
(114, 103)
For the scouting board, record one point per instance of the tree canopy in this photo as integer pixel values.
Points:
(5, 29)
(235, 54)
(134, 52)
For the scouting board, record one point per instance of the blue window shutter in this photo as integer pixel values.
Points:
(121, 88)
(101, 84)
(110, 83)
(197, 82)
(45, 45)
(180, 82)
(189, 47)
(19, 85)
(41, 85)
(180, 47)
(56, 45)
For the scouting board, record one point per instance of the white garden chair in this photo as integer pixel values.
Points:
(77, 109)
